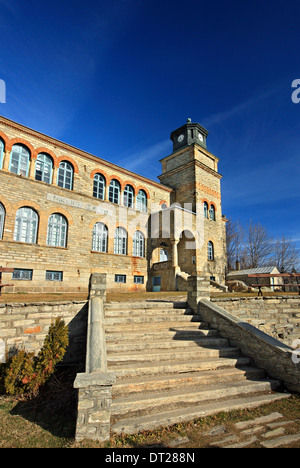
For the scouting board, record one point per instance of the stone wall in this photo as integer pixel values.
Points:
(77, 261)
(278, 316)
(26, 326)
(267, 353)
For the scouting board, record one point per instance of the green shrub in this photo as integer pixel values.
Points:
(25, 373)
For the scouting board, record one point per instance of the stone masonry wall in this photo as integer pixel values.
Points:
(267, 353)
(26, 326)
(278, 317)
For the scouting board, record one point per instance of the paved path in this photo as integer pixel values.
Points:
(271, 431)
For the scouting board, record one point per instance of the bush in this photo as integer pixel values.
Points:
(25, 373)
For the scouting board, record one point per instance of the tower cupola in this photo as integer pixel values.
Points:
(189, 134)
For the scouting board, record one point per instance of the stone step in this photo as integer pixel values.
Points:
(154, 355)
(132, 425)
(163, 367)
(146, 305)
(163, 400)
(146, 312)
(150, 326)
(126, 386)
(146, 319)
(142, 345)
(158, 333)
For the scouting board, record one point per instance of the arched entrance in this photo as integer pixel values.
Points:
(186, 253)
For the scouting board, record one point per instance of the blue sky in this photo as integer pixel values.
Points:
(116, 77)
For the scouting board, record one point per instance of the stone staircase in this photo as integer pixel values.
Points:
(171, 367)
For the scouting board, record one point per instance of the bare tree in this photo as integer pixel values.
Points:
(258, 245)
(234, 240)
(285, 256)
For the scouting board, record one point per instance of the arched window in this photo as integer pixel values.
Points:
(120, 241)
(57, 230)
(99, 187)
(65, 175)
(128, 196)
(114, 191)
(2, 219)
(141, 201)
(212, 213)
(26, 225)
(1, 152)
(205, 207)
(210, 251)
(100, 235)
(163, 255)
(138, 244)
(19, 160)
(43, 168)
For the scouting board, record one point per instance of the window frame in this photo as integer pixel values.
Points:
(2, 148)
(114, 191)
(163, 255)
(99, 185)
(120, 241)
(22, 276)
(128, 194)
(119, 277)
(212, 213)
(205, 209)
(27, 225)
(57, 230)
(2, 220)
(100, 239)
(141, 201)
(50, 276)
(138, 244)
(65, 171)
(136, 279)
(19, 160)
(210, 251)
(46, 162)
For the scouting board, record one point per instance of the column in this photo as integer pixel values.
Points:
(95, 385)
(198, 289)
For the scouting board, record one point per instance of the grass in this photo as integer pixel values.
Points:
(49, 420)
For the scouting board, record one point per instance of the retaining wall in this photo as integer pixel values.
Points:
(26, 326)
(277, 316)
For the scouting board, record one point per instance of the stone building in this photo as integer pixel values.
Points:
(65, 214)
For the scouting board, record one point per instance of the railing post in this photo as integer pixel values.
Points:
(198, 289)
(95, 385)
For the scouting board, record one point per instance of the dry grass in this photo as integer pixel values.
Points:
(49, 420)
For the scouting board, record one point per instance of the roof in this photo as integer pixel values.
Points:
(253, 271)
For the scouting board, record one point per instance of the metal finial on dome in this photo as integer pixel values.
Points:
(188, 120)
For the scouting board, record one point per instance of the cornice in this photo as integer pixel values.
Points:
(73, 150)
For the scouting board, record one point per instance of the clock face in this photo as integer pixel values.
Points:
(200, 136)
(180, 138)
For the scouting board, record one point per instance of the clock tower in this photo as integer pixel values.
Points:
(188, 134)
(191, 170)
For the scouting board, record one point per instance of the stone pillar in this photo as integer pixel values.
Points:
(95, 385)
(198, 289)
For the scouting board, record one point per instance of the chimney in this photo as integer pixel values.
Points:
(237, 265)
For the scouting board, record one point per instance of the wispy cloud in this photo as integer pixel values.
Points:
(241, 108)
(145, 157)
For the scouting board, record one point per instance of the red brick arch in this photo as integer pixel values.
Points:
(37, 151)
(20, 141)
(70, 160)
(99, 171)
(145, 190)
(5, 139)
